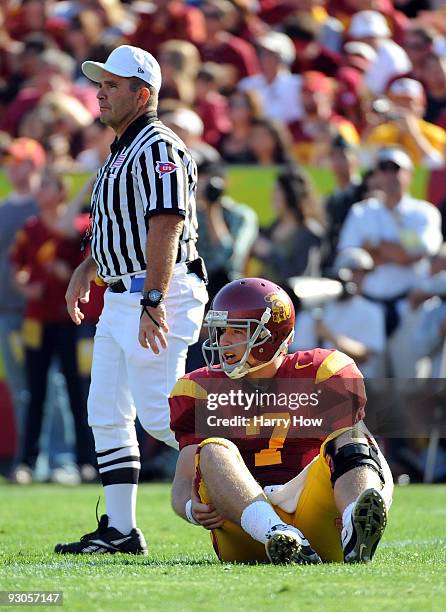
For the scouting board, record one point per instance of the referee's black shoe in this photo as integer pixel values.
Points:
(106, 540)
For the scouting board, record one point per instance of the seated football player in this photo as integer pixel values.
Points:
(281, 496)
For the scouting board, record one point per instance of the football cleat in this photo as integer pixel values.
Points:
(365, 528)
(286, 544)
(106, 540)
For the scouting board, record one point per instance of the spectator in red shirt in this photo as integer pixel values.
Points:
(13, 63)
(50, 71)
(313, 134)
(276, 11)
(44, 255)
(222, 47)
(349, 99)
(17, 95)
(210, 105)
(417, 43)
(435, 86)
(33, 16)
(173, 19)
(246, 22)
(305, 33)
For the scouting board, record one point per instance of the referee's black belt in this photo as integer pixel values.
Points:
(196, 266)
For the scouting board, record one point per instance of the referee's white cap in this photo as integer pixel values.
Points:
(126, 61)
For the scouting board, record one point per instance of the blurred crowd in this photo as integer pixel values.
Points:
(355, 86)
(266, 80)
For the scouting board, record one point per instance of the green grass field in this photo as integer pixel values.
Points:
(181, 573)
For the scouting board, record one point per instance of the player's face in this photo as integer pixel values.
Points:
(235, 336)
(229, 337)
(118, 104)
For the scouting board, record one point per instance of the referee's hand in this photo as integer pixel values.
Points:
(153, 327)
(78, 290)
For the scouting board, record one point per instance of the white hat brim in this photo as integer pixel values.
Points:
(95, 71)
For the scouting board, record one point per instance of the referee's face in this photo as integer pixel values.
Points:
(118, 104)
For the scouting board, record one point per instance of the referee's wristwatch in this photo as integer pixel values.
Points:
(152, 298)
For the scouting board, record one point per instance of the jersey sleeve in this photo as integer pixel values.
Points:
(182, 401)
(343, 395)
(162, 178)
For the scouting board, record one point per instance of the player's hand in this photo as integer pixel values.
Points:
(205, 514)
(153, 328)
(78, 290)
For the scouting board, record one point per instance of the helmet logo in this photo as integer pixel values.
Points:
(281, 311)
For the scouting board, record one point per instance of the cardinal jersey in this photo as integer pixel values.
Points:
(276, 442)
(38, 249)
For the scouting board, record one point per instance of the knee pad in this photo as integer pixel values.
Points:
(351, 456)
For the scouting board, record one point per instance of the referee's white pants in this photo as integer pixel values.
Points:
(128, 380)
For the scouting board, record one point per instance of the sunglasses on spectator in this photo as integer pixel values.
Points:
(388, 166)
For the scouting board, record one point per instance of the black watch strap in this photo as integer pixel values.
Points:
(144, 310)
(152, 298)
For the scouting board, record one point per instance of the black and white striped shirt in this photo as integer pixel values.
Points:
(149, 171)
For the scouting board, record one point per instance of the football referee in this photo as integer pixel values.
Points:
(143, 236)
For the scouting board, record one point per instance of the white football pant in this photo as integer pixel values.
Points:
(129, 380)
